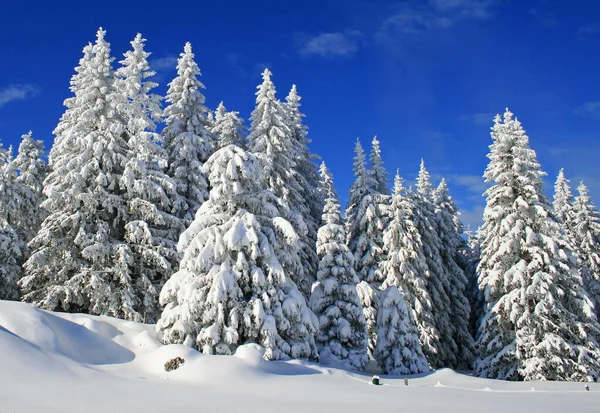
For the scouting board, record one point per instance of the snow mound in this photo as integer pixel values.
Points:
(89, 343)
(78, 362)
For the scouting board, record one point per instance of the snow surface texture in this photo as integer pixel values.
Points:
(57, 362)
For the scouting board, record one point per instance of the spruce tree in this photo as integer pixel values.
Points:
(307, 175)
(365, 222)
(11, 244)
(271, 142)
(227, 128)
(585, 228)
(397, 352)
(563, 200)
(364, 239)
(475, 295)
(449, 230)
(187, 138)
(151, 232)
(438, 280)
(539, 322)
(379, 175)
(32, 170)
(343, 330)
(78, 262)
(231, 288)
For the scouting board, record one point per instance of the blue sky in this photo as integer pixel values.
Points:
(425, 76)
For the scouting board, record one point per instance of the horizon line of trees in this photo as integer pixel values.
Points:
(224, 235)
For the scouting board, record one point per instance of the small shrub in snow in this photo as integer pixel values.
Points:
(174, 363)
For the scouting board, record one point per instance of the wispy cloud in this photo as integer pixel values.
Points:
(13, 93)
(479, 118)
(416, 19)
(164, 63)
(588, 30)
(472, 218)
(473, 183)
(329, 45)
(590, 109)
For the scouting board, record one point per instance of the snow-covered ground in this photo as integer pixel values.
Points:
(54, 362)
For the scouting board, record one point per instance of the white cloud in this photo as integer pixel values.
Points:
(13, 93)
(164, 63)
(480, 118)
(330, 45)
(591, 109)
(472, 218)
(474, 183)
(588, 30)
(411, 19)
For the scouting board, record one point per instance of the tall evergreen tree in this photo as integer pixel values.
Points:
(475, 295)
(271, 142)
(32, 170)
(586, 233)
(343, 329)
(365, 222)
(364, 239)
(449, 230)
(227, 128)
(438, 280)
(563, 200)
(307, 174)
(379, 174)
(404, 269)
(539, 322)
(151, 232)
(78, 262)
(187, 138)
(231, 288)
(11, 244)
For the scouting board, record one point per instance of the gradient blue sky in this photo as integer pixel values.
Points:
(426, 76)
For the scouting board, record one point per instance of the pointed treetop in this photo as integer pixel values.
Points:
(563, 197)
(100, 34)
(293, 98)
(583, 191)
(423, 181)
(327, 188)
(221, 110)
(398, 183)
(378, 172)
(442, 189)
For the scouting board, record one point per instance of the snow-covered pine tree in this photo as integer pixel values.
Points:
(379, 174)
(585, 229)
(449, 230)
(405, 324)
(187, 138)
(78, 262)
(32, 170)
(398, 350)
(343, 330)
(364, 238)
(472, 256)
(271, 142)
(307, 174)
(231, 289)
(227, 128)
(11, 244)
(563, 200)
(151, 232)
(539, 322)
(367, 216)
(438, 279)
